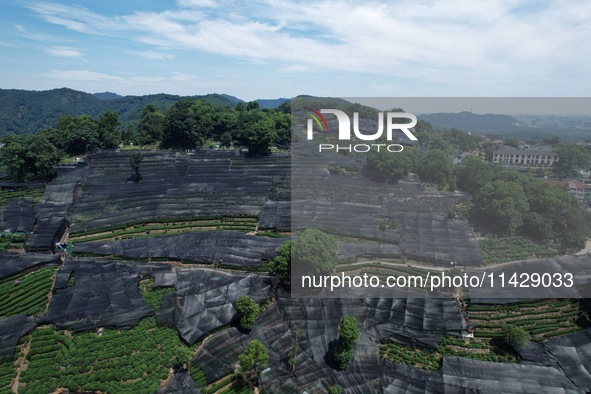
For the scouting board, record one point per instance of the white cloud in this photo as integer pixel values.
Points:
(199, 3)
(64, 52)
(384, 89)
(81, 75)
(155, 55)
(430, 41)
(178, 76)
(76, 18)
(295, 68)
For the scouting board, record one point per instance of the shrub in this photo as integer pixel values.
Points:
(515, 336)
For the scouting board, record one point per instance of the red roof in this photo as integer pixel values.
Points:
(557, 183)
(579, 185)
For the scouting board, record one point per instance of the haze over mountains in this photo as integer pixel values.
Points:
(524, 127)
(24, 112)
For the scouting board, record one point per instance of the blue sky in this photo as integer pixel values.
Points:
(276, 48)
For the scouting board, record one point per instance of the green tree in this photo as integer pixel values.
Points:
(285, 107)
(536, 227)
(500, 207)
(257, 132)
(314, 252)
(390, 166)
(109, 136)
(188, 124)
(81, 134)
(57, 137)
(435, 167)
(461, 140)
(224, 120)
(348, 330)
(552, 141)
(570, 159)
(127, 134)
(345, 347)
(472, 174)
(437, 141)
(572, 228)
(488, 148)
(252, 105)
(253, 360)
(422, 128)
(282, 262)
(515, 336)
(226, 140)
(249, 310)
(135, 160)
(343, 355)
(336, 389)
(29, 157)
(554, 215)
(511, 141)
(282, 128)
(150, 129)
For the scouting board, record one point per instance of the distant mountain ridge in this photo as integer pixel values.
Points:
(487, 123)
(27, 112)
(524, 128)
(107, 96)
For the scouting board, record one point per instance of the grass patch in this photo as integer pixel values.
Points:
(338, 170)
(164, 227)
(231, 384)
(273, 234)
(541, 319)
(35, 193)
(500, 250)
(138, 147)
(12, 241)
(485, 349)
(153, 296)
(417, 358)
(478, 349)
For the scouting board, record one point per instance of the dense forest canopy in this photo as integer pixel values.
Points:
(188, 124)
(29, 112)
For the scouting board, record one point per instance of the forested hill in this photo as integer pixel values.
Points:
(26, 112)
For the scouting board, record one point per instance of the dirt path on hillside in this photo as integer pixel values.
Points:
(23, 364)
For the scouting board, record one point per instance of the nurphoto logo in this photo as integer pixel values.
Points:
(344, 132)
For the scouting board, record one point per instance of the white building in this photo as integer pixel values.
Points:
(509, 155)
(581, 191)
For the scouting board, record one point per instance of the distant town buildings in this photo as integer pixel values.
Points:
(508, 155)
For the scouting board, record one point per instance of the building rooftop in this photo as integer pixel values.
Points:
(511, 150)
(579, 185)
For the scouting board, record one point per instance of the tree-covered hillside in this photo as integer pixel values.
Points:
(28, 112)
